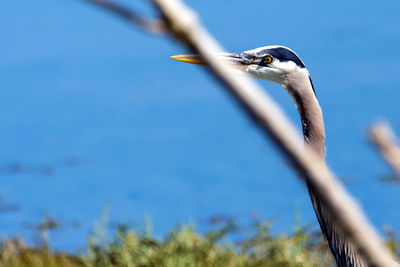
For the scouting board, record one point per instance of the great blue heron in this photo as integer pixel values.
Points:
(282, 65)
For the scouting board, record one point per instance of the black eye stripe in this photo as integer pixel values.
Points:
(266, 60)
(283, 54)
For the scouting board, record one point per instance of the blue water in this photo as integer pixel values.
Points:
(93, 113)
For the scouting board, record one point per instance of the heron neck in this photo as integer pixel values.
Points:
(300, 87)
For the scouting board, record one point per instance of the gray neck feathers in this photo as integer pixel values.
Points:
(299, 86)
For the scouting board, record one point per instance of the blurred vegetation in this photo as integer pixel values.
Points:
(252, 246)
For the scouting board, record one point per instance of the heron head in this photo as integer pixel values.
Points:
(273, 63)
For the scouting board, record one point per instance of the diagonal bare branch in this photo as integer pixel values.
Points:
(156, 26)
(183, 24)
(383, 138)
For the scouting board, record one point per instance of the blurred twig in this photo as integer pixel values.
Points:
(392, 179)
(385, 141)
(155, 26)
(183, 24)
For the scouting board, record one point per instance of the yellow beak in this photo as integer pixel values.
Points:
(237, 61)
(193, 59)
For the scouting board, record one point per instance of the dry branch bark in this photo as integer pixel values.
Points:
(385, 141)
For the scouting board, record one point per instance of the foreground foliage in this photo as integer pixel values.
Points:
(255, 246)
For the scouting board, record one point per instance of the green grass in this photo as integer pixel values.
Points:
(253, 246)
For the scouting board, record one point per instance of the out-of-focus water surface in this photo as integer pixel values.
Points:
(94, 113)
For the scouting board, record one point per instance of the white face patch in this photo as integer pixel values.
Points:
(284, 66)
(265, 73)
(277, 71)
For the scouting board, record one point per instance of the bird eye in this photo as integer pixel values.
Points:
(267, 59)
